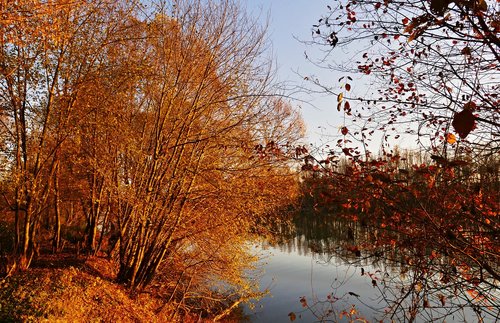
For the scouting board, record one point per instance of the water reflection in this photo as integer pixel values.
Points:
(318, 270)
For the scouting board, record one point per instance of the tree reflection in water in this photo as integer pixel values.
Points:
(411, 284)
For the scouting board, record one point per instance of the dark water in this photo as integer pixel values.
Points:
(309, 263)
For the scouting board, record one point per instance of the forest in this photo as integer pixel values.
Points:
(148, 143)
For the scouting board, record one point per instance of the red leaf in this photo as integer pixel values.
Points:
(470, 106)
(346, 151)
(348, 87)
(464, 122)
(466, 51)
(344, 130)
(347, 106)
(439, 6)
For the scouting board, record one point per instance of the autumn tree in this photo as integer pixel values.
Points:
(425, 70)
(185, 151)
(428, 221)
(433, 65)
(153, 129)
(48, 52)
(200, 116)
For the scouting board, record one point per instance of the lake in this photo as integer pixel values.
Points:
(311, 277)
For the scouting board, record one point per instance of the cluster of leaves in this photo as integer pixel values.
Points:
(437, 221)
(428, 70)
(327, 311)
(433, 65)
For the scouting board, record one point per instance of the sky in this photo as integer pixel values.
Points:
(289, 22)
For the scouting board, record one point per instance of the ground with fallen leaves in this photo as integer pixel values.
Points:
(74, 289)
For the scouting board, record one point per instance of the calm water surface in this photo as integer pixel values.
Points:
(291, 273)
(309, 264)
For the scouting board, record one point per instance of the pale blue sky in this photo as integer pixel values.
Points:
(289, 20)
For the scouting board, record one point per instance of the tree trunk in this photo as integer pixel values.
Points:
(56, 240)
(17, 224)
(27, 250)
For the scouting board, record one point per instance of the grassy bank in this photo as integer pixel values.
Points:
(69, 289)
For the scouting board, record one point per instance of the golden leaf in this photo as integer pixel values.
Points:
(451, 139)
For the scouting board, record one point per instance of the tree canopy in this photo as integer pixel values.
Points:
(151, 131)
(427, 70)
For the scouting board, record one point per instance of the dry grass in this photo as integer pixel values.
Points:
(63, 289)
